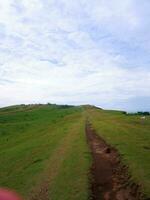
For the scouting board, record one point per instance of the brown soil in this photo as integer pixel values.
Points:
(110, 180)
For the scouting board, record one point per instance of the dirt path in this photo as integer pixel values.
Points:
(109, 179)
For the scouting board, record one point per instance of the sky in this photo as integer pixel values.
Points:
(75, 52)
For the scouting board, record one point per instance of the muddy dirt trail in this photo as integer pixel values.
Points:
(110, 180)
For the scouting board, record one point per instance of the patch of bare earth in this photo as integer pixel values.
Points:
(110, 180)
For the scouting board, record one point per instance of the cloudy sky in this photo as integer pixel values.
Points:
(75, 52)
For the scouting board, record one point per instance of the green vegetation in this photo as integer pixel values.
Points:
(45, 146)
(131, 136)
(40, 141)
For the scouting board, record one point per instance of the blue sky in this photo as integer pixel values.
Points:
(75, 52)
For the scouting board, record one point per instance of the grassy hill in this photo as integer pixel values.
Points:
(39, 143)
(43, 148)
(130, 134)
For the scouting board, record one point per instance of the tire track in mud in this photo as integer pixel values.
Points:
(110, 180)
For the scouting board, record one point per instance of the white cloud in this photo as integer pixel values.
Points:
(72, 52)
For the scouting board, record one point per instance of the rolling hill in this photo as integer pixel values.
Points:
(44, 153)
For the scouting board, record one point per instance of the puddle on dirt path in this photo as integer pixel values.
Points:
(110, 180)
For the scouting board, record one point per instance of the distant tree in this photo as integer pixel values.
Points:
(143, 113)
(146, 113)
(65, 106)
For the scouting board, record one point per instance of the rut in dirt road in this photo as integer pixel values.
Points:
(109, 180)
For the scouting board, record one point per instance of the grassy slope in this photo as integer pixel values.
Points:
(131, 136)
(41, 144)
(44, 141)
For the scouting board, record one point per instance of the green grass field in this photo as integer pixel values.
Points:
(131, 136)
(44, 142)
(45, 146)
